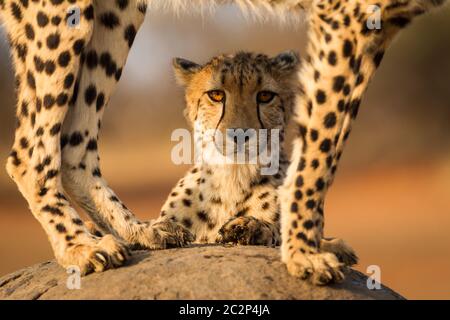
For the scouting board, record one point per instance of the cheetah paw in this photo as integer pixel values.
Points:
(162, 235)
(246, 231)
(95, 255)
(341, 250)
(322, 268)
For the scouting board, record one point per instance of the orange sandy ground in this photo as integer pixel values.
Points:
(398, 219)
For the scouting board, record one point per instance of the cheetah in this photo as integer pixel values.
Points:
(66, 75)
(235, 95)
(238, 95)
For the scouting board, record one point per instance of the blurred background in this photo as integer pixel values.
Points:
(391, 197)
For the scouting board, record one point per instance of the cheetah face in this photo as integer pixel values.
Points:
(242, 91)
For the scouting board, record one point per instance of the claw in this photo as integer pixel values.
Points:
(120, 257)
(322, 268)
(101, 258)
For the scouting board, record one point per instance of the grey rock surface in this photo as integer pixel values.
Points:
(200, 272)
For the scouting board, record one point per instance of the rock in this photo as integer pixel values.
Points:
(198, 272)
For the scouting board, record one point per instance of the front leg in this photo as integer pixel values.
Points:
(45, 84)
(104, 57)
(343, 54)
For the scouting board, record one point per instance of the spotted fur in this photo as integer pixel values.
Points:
(65, 77)
(234, 202)
(342, 57)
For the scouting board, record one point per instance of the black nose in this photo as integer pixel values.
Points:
(240, 134)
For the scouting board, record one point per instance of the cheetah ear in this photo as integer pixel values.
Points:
(286, 62)
(184, 70)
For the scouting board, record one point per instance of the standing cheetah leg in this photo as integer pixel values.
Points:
(44, 47)
(343, 55)
(104, 57)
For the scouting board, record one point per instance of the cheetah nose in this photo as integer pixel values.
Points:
(240, 135)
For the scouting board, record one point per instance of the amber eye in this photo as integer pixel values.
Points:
(216, 95)
(265, 96)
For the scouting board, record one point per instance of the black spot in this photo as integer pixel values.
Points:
(186, 222)
(76, 139)
(29, 31)
(90, 94)
(78, 46)
(50, 67)
(332, 58)
(325, 145)
(96, 172)
(341, 105)
(91, 59)
(142, 7)
(314, 134)
(130, 34)
(24, 143)
(301, 166)
(92, 145)
(49, 101)
(346, 90)
(30, 80)
(55, 129)
(308, 224)
(122, 4)
(43, 192)
(61, 99)
(53, 210)
(320, 184)
(100, 101)
(301, 236)
(338, 83)
(310, 204)
(110, 20)
(330, 120)
(242, 212)
(347, 49)
(53, 41)
(202, 216)
(359, 80)
(51, 174)
(68, 81)
(16, 11)
(64, 58)
(354, 107)
(187, 202)
(77, 221)
(61, 228)
(378, 58)
(298, 195)
(294, 207)
(42, 19)
(299, 182)
(329, 161)
(89, 12)
(56, 20)
(321, 97)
